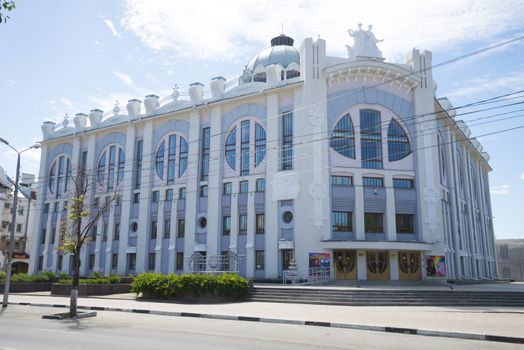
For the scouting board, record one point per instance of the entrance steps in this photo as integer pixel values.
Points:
(387, 297)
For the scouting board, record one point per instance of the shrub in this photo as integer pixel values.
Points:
(2, 275)
(49, 274)
(25, 278)
(101, 280)
(63, 275)
(172, 286)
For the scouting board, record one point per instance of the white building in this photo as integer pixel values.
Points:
(24, 220)
(349, 163)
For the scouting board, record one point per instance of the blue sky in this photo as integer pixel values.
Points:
(63, 56)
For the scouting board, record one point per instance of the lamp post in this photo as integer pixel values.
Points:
(13, 221)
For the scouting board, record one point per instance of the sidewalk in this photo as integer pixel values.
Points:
(469, 321)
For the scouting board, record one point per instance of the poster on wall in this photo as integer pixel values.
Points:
(436, 266)
(319, 260)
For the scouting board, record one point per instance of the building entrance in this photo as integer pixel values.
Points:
(345, 262)
(377, 266)
(409, 266)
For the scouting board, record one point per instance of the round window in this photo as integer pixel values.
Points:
(134, 226)
(202, 222)
(288, 217)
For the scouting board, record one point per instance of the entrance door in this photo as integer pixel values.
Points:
(287, 256)
(377, 266)
(345, 262)
(409, 266)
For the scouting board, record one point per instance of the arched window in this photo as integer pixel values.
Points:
(171, 153)
(59, 175)
(112, 162)
(343, 137)
(250, 152)
(398, 142)
(371, 139)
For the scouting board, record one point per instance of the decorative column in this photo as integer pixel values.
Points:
(250, 241)
(360, 233)
(109, 243)
(391, 225)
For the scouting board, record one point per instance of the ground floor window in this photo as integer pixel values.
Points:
(179, 261)
(114, 261)
(91, 261)
(259, 259)
(152, 259)
(131, 262)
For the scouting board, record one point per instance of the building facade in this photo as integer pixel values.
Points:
(350, 164)
(510, 259)
(24, 220)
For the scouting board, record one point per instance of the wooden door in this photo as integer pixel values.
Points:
(377, 265)
(409, 266)
(345, 262)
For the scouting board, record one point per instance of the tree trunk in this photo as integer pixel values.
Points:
(74, 290)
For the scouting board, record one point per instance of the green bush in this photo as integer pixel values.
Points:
(49, 274)
(2, 275)
(25, 278)
(172, 286)
(63, 275)
(101, 280)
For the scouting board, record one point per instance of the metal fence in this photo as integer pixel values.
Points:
(306, 276)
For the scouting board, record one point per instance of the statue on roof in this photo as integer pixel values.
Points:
(365, 43)
(66, 121)
(116, 109)
(176, 94)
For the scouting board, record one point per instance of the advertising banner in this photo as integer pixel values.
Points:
(436, 266)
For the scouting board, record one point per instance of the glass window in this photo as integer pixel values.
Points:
(343, 138)
(42, 238)
(259, 259)
(136, 197)
(153, 229)
(59, 175)
(286, 156)
(403, 183)
(246, 128)
(111, 171)
(398, 142)
(152, 260)
(18, 227)
(372, 182)
(182, 157)
(341, 221)
(228, 188)
(260, 223)
(231, 148)
(373, 223)
(156, 196)
(405, 223)
(105, 228)
(242, 224)
(504, 252)
(204, 168)
(131, 259)
(94, 231)
(287, 217)
(341, 180)
(181, 227)
(244, 186)
(138, 163)
(114, 262)
(167, 155)
(46, 208)
(202, 222)
(226, 225)
(116, 234)
(179, 261)
(260, 144)
(244, 148)
(261, 185)
(169, 194)
(203, 191)
(91, 261)
(371, 139)
(111, 162)
(167, 228)
(182, 193)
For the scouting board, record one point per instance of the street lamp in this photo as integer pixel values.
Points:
(13, 220)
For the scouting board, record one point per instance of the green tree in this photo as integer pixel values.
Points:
(82, 216)
(6, 6)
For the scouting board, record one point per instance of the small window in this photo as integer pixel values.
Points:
(372, 182)
(287, 217)
(259, 259)
(91, 261)
(226, 225)
(156, 196)
(18, 227)
(114, 262)
(260, 223)
(341, 221)
(46, 208)
(167, 228)
(7, 205)
(136, 198)
(104, 232)
(405, 223)
(134, 227)
(341, 180)
(261, 185)
(181, 227)
(117, 200)
(403, 183)
(228, 188)
(244, 186)
(182, 193)
(131, 261)
(96, 202)
(53, 234)
(116, 234)
(504, 253)
(242, 224)
(94, 232)
(169, 194)
(17, 246)
(373, 223)
(179, 261)
(202, 222)
(153, 229)
(40, 262)
(152, 260)
(55, 207)
(42, 239)
(203, 191)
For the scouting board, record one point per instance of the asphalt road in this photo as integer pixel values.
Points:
(21, 327)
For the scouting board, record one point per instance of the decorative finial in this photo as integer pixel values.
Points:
(365, 44)
(116, 109)
(66, 121)
(175, 93)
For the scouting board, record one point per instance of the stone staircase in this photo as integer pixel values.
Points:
(386, 297)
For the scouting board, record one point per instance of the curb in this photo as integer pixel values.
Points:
(398, 330)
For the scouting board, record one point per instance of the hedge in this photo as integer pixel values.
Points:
(25, 278)
(179, 286)
(100, 280)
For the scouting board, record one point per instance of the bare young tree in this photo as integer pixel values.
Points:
(83, 216)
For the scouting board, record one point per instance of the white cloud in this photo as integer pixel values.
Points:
(489, 83)
(124, 78)
(231, 28)
(112, 28)
(502, 189)
(522, 176)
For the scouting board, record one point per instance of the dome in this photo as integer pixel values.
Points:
(281, 52)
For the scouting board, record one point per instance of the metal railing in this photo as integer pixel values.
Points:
(306, 276)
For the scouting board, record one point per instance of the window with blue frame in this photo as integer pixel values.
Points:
(172, 148)
(111, 166)
(260, 144)
(341, 221)
(370, 139)
(398, 142)
(286, 156)
(204, 165)
(244, 148)
(372, 182)
(138, 163)
(250, 152)
(403, 183)
(231, 142)
(339, 180)
(343, 137)
(59, 175)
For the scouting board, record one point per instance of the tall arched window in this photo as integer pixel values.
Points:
(398, 142)
(171, 153)
(111, 162)
(371, 139)
(250, 152)
(343, 137)
(59, 175)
